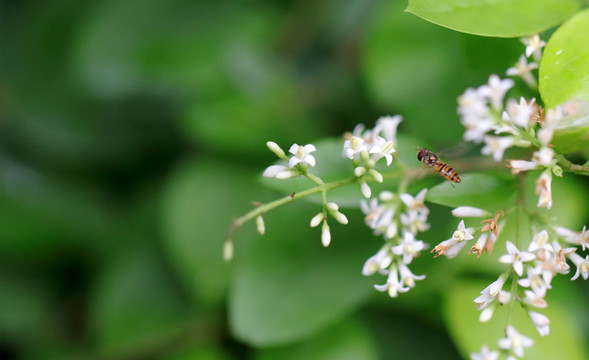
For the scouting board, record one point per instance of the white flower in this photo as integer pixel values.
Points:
(415, 203)
(543, 188)
(377, 262)
(472, 104)
(573, 237)
(415, 221)
(581, 264)
(516, 257)
(495, 90)
(469, 211)
(386, 126)
(490, 293)
(541, 322)
(543, 157)
(496, 145)
(409, 247)
(540, 241)
(523, 70)
(452, 246)
(476, 128)
(485, 354)
(536, 280)
(353, 147)
(519, 114)
(392, 286)
(479, 245)
(382, 148)
(534, 46)
(534, 299)
(407, 277)
(301, 155)
(515, 341)
(518, 166)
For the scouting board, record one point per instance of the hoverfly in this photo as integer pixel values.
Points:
(433, 161)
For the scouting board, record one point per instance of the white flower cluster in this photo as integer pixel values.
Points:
(540, 263)
(501, 127)
(366, 146)
(410, 215)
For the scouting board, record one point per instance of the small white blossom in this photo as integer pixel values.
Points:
(469, 211)
(495, 90)
(452, 246)
(543, 157)
(382, 148)
(415, 203)
(409, 247)
(415, 221)
(534, 299)
(519, 114)
(573, 237)
(536, 280)
(476, 128)
(581, 264)
(302, 155)
(515, 341)
(496, 145)
(386, 126)
(541, 322)
(490, 293)
(516, 257)
(540, 241)
(392, 286)
(378, 262)
(407, 277)
(534, 46)
(487, 313)
(504, 297)
(353, 147)
(472, 104)
(518, 166)
(479, 245)
(523, 69)
(485, 354)
(543, 188)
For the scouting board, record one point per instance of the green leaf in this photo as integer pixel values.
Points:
(461, 316)
(134, 303)
(479, 190)
(564, 70)
(196, 209)
(287, 286)
(495, 17)
(346, 340)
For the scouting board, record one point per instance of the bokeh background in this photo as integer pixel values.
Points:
(133, 131)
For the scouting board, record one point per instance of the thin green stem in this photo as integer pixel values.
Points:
(569, 166)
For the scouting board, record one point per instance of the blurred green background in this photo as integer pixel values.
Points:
(131, 132)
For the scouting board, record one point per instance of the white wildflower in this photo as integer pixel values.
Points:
(541, 322)
(490, 293)
(534, 46)
(581, 264)
(495, 90)
(524, 69)
(378, 262)
(496, 145)
(516, 257)
(515, 341)
(485, 354)
(386, 126)
(409, 247)
(543, 188)
(302, 155)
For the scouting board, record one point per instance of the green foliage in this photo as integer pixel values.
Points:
(495, 17)
(564, 70)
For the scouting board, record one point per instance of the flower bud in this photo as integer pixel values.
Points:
(260, 225)
(276, 149)
(365, 189)
(316, 220)
(376, 175)
(228, 250)
(359, 171)
(325, 234)
(469, 211)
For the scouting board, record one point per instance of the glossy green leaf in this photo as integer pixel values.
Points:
(198, 203)
(564, 70)
(461, 316)
(288, 287)
(480, 190)
(348, 340)
(134, 302)
(495, 17)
